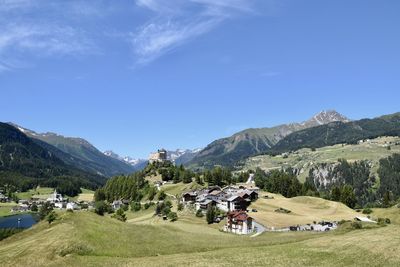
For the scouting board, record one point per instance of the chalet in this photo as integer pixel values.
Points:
(205, 204)
(189, 197)
(238, 222)
(236, 203)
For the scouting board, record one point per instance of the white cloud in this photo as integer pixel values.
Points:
(176, 22)
(25, 35)
(43, 39)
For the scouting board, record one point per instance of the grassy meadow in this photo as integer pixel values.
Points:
(303, 159)
(86, 239)
(303, 209)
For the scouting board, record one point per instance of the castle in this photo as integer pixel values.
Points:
(159, 156)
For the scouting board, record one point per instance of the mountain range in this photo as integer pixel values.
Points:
(79, 153)
(26, 162)
(179, 156)
(228, 151)
(339, 132)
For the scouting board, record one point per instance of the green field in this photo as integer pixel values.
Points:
(39, 192)
(86, 239)
(304, 159)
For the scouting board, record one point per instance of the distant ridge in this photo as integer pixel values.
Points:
(227, 151)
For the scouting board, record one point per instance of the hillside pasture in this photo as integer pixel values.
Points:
(303, 159)
(303, 209)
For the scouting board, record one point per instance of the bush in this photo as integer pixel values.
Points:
(199, 213)
(51, 217)
(119, 215)
(162, 195)
(173, 216)
(180, 206)
(45, 209)
(383, 221)
(102, 207)
(136, 206)
(367, 211)
(356, 225)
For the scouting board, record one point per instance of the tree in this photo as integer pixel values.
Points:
(101, 207)
(136, 206)
(99, 195)
(386, 199)
(119, 215)
(162, 195)
(51, 217)
(45, 209)
(34, 207)
(173, 216)
(347, 196)
(210, 215)
(180, 206)
(152, 192)
(336, 193)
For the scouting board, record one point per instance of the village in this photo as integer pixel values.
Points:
(234, 205)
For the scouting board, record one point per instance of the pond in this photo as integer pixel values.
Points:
(18, 221)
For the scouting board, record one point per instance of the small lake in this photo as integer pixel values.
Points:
(25, 221)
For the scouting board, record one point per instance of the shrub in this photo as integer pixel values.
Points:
(101, 207)
(120, 215)
(367, 211)
(136, 206)
(51, 217)
(162, 195)
(45, 209)
(356, 225)
(383, 221)
(199, 213)
(173, 216)
(180, 206)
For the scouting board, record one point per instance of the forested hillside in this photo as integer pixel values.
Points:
(79, 153)
(24, 164)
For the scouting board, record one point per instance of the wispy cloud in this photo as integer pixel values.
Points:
(23, 34)
(176, 22)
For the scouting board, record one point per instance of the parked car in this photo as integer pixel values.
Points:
(254, 210)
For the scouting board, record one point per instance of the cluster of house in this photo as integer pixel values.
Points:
(232, 199)
(55, 198)
(3, 198)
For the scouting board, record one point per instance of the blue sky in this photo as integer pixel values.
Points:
(138, 75)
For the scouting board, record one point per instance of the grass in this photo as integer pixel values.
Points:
(177, 189)
(39, 192)
(85, 239)
(305, 158)
(86, 195)
(303, 210)
(5, 209)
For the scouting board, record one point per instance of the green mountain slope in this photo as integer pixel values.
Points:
(339, 132)
(227, 151)
(81, 154)
(24, 164)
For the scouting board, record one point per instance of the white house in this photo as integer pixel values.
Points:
(72, 206)
(238, 222)
(55, 197)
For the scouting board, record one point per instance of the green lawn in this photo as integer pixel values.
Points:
(5, 208)
(39, 192)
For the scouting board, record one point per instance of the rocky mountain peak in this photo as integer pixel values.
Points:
(325, 117)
